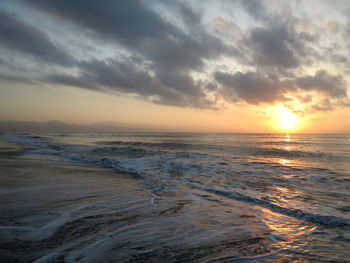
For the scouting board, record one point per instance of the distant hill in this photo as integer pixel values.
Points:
(58, 126)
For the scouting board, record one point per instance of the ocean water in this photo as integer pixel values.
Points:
(213, 197)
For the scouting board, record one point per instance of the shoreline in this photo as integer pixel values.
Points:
(41, 201)
(56, 210)
(67, 212)
(8, 149)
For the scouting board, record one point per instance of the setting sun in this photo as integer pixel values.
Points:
(287, 121)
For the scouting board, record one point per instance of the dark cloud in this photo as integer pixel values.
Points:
(18, 35)
(254, 88)
(169, 53)
(69, 80)
(324, 105)
(280, 47)
(251, 87)
(283, 44)
(189, 16)
(139, 28)
(256, 9)
(121, 74)
(17, 79)
(122, 20)
(276, 43)
(163, 53)
(339, 59)
(305, 98)
(323, 82)
(126, 77)
(274, 47)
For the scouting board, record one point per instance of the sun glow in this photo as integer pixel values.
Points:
(287, 121)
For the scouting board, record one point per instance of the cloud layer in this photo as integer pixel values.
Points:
(183, 53)
(18, 35)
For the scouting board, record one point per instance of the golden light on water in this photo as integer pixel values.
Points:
(288, 233)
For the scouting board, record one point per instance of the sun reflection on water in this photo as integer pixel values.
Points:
(287, 138)
(284, 161)
(286, 232)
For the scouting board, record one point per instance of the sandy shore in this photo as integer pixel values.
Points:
(10, 149)
(41, 201)
(65, 212)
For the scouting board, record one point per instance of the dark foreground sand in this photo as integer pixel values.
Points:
(10, 149)
(39, 201)
(65, 212)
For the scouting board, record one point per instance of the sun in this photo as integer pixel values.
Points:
(287, 121)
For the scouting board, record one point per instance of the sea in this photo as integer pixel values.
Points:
(234, 197)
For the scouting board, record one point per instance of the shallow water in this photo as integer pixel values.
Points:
(213, 197)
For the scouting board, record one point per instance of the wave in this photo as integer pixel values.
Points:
(172, 168)
(162, 145)
(277, 152)
(257, 150)
(125, 152)
(11, 233)
(330, 221)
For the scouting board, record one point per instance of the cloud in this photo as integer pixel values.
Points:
(323, 82)
(256, 9)
(139, 28)
(255, 88)
(127, 77)
(251, 87)
(18, 35)
(280, 46)
(121, 20)
(165, 52)
(274, 47)
(69, 80)
(324, 105)
(18, 79)
(168, 55)
(280, 40)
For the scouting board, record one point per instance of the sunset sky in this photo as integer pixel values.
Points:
(216, 66)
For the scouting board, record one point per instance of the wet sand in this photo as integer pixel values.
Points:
(10, 149)
(53, 212)
(64, 212)
(41, 201)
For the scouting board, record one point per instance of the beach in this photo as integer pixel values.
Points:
(41, 201)
(59, 210)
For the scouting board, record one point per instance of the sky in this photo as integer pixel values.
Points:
(215, 66)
